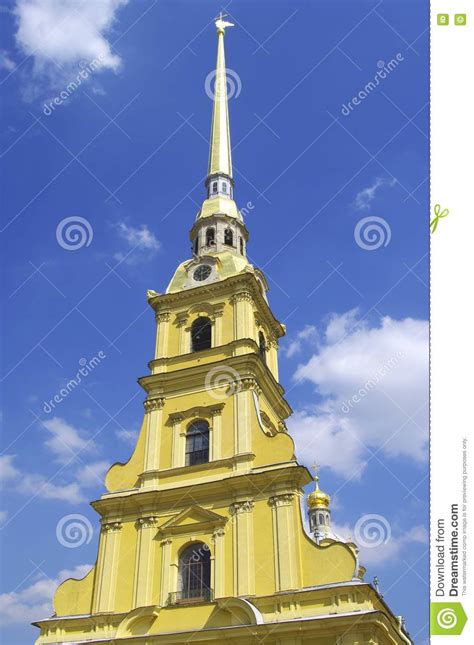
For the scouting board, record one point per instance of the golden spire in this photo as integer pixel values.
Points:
(220, 158)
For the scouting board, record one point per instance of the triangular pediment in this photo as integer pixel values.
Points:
(193, 518)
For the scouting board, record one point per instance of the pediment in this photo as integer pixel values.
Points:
(191, 519)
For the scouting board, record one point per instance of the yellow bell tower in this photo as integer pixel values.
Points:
(202, 536)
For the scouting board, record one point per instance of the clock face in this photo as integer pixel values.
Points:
(202, 272)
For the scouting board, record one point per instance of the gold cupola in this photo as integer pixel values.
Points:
(318, 498)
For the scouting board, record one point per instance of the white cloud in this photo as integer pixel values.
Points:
(39, 486)
(387, 552)
(92, 474)
(366, 196)
(34, 602)
(62, 35)
(6, 61)
(142, 242)
(36, 485)
(65, 440)
(373, 383)
(3, 516)
(308, 334)
(128, 436)
(8, 471)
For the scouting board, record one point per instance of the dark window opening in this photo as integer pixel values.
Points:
(241, 246)
(210, 237)
(201, 334)
(262, 348)
(196, 245)
(214, 187)
(228, 237)
(197, 443)
(195, 573)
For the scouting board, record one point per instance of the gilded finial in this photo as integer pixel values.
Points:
(318, 499)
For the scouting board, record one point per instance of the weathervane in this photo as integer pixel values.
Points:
(221, 24)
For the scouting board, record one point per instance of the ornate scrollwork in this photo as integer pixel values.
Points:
(111, 527)
(155, 403)
(163, 317)
(284, 499)
(150, 522)
(242, 296)
(245, 506)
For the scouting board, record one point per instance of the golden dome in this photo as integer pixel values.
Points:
(318, 499)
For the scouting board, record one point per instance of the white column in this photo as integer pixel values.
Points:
(145, 561)
(244, 565)
(284, 545)
(107, 566)
(178, 441)
(154, 424)
(165, 571)
(162, 333)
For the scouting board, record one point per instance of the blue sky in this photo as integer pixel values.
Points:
(127, 152)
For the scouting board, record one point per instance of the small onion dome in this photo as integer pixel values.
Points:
(318, 499)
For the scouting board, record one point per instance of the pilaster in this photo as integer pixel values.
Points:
(284, 542)
(243, 315)
(154, 423)
(219, 563)
(162, 334)
(107, 566)
(244, 565)
(145, 560)
(165, 588)
(178, 440)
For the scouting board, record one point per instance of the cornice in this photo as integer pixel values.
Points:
(228, 287)
(252, 374)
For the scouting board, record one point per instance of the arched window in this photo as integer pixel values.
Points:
(262, 347)
(197, 443)
(228, 237)
(201, 334)
(196, 245)
(210, 237)
(224, 187)
(214, 186)
(241, 246)
(195, 573)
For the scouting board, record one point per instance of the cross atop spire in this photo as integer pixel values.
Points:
(221, 24)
